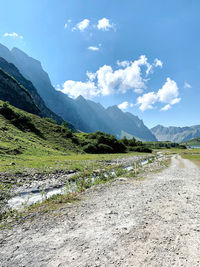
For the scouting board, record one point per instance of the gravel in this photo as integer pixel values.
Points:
(149, 222)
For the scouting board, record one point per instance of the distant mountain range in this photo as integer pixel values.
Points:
(85, 115)
(176, 134)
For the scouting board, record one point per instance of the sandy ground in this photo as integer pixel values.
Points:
(152, 222)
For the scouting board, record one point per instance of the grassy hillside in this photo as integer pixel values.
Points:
(30, 142)
(193, 142)
(26, 139)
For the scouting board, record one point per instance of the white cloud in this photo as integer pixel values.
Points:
(130, 75)
(123, 64)
(122, 79)
(168, 94)
(187, 85)
(65, 26)
(82, 25)
(74, 89)
(147, 100)
(158, 63)
(123, 105)
(109, 81)
(91, 76)
(13, 34)
(166, 107)
(93, 48)
(104, 24)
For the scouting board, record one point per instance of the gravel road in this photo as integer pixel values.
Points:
(149, 222)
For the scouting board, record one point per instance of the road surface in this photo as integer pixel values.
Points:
(151, 222)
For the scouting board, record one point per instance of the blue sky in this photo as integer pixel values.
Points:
(142, 55)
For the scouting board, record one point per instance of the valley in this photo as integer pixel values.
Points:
(99, 133)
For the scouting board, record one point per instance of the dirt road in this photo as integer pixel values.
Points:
(152, 222)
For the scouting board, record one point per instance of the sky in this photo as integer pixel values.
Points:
(138, 54)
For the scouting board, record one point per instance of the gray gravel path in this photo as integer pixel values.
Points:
(152, 222)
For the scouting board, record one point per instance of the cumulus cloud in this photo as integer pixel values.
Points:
(82, 25)
(104, 24)
(130, 75)
(123, 79)
(74, 89)
(147, 100)
(91, 76)
(13, 34)
(187, 85)
(168, 94)
(123, 64)
(124, 105)
(93, 48)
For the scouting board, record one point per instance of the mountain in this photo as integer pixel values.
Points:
(85, 115)
(130, 124)
(14, 72)
(16, 94)
(176, 134)
(32, 70)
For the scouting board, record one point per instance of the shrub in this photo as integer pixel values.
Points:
(90, 148)
(104, 149)
(140, 149)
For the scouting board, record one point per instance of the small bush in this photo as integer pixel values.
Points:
(140, 149)
(104, 149)
(90, 148)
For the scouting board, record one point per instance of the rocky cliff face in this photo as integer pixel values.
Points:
(16, 94)
(176, 134)
(14, 72)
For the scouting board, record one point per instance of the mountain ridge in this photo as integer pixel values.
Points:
(97, 118)
(176, 134)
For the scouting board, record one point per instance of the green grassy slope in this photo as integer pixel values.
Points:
(27, 138)
(29, 142)
(193, 142)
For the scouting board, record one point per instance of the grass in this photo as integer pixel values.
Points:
(56, 202)
(54, 148)
(193, 157)
(193, 142)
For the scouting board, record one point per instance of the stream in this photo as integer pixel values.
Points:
(34, 195)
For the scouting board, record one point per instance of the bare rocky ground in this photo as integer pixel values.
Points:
(149, 222)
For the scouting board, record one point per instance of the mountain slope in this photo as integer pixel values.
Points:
(16, 94)
(14, 72)
(176, 134)
(193, 142)
(130, 124)
(85, 115)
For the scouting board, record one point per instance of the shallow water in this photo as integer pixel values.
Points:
(34, 195)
